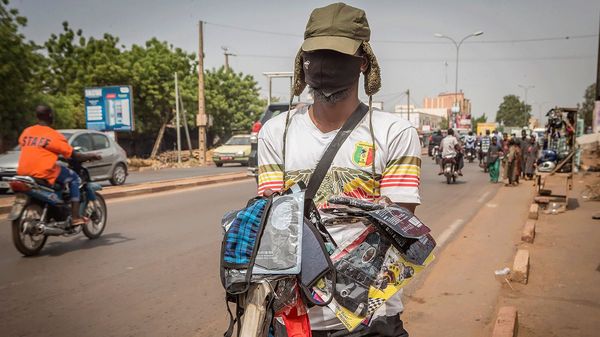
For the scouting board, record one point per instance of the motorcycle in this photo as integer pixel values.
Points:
(41, 210)
(449, 164)
(435, 154)
(470, 154)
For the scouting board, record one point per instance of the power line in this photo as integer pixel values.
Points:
(428, 60)
(252, 30)
(424, 42)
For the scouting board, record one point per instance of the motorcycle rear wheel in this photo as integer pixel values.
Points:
(30, 217)
(448, 179)
(97, 213)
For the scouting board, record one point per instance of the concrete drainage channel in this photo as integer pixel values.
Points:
(152, 187)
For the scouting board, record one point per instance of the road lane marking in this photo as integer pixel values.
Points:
(483, 196)
(447, 233)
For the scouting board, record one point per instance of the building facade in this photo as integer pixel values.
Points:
(442, 104)
(420, 119)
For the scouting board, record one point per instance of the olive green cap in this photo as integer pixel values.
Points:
(336, 27)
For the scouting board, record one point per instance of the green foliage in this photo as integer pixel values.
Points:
(444, 123)
(152, 76)
(72, 62)
(475, 121)
(513, 112)
(232, 100)
(587, 106)
(18, 66)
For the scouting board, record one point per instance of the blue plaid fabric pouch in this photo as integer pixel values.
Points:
(243, 230)
(240, 239)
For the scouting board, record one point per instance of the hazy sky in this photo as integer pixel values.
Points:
(559, 69)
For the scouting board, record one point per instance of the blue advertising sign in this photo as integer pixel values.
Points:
(109, 108)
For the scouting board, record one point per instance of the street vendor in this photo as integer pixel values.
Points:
(380, 158)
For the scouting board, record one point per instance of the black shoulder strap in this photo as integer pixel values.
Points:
(323, 166)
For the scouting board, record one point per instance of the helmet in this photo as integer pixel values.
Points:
(547, 166)
(548, 155)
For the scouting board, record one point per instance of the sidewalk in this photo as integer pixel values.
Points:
(458, 296)
(562, 297)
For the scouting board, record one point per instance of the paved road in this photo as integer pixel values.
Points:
(172, 173)
(176, 173)
(155, 270)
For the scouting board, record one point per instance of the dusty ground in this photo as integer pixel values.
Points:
(562, 297)
(459, 295)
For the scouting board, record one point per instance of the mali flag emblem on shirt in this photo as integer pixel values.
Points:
(363, 154)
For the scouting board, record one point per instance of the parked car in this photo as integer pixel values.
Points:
(271, 111)
(235, 150)
(112, 167)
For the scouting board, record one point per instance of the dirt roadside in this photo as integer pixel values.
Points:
(562, 297)
(458, 297)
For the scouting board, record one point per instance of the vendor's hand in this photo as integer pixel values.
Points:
(268, 192)
(383, 200)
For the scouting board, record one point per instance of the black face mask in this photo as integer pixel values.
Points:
(329, 71)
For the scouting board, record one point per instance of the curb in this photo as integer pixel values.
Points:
(520, 271)
(533, 211)
(528, 233)
(506, 322)
(159, 186)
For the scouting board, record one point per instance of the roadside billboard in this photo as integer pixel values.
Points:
(109, 108)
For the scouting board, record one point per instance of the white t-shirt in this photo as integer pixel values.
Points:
(397, 165)
(448, 146)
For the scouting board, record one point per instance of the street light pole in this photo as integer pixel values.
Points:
(525, 90)
(456, 108)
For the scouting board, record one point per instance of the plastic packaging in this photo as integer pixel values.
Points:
(280, 247)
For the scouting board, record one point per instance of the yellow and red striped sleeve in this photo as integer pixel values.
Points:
(270, 176)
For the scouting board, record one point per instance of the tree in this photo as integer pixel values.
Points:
(444, 123)
(18, 65)
(232, 101)
(587, 106)
(513, 112)
(475, 121)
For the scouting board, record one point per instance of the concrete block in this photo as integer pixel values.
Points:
(533, 211)
(528, 233)
(506, 322)
(520, 270)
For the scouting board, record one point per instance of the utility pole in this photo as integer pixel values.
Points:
(596, 112)
(177, 120)
(185, 127)
(201, 119)
(227, 54)
(408, 105)
(526, 90)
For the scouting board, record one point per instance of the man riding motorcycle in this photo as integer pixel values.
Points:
(40, 146)
(451, 147)
(470, 141)
(435, 140)
(485, 147)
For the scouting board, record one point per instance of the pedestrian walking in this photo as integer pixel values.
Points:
(503, 160)
(530, 156)
(493, 160)
(514, 163)
(523, 144)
